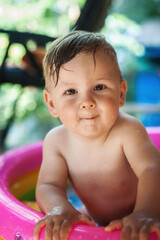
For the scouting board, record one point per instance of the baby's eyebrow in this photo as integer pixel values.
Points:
(104, 78)
(66, 82)
(68, 70)
(101, 78)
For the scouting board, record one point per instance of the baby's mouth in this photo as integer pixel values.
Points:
(90, 118)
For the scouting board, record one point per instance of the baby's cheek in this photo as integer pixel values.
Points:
(66, 117)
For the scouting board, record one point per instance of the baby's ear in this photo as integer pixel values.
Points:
(48, 100)
(123, 90)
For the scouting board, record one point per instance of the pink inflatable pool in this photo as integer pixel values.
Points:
(16, 219)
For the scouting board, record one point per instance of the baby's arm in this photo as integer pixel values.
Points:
(51, 195)
(144, 159)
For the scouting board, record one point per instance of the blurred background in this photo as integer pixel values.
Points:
(27, 27)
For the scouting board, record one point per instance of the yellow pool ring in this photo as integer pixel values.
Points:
(24, 183)
(32, 204)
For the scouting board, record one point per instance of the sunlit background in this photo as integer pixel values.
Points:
(132, 27)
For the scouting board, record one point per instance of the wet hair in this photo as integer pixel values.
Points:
(65, 48)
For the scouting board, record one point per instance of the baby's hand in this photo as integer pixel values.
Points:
(136, 226)
(59, 223)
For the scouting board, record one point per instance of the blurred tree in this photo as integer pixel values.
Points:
(93, 15)
(50, 17)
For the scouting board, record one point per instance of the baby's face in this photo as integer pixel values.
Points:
(88, 95)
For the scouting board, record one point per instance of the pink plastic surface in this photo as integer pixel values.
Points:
(16, 219)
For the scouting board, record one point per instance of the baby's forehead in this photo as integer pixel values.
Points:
(101, 60)
(84, 64)
(97, 59)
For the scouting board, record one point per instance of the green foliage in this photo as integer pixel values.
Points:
(121, 31)
(50, 17)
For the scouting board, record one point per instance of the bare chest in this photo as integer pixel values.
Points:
(108, 172)
(104, 181)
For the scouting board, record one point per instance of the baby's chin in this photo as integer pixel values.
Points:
(90, 134)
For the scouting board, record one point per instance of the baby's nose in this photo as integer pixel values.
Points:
(88, 104)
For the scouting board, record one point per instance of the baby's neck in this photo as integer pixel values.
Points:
(88, 141)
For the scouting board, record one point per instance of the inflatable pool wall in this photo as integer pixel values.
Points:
(17, 220)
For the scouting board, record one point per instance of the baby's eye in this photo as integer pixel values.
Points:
(99, 87)
(70, 92)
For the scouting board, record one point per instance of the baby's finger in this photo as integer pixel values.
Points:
(56, 231)
(66, 228)
(144, 233)
(126, 233)
(134, 234)
(114, 225)
(37, 228)
(49, 232)
(85, 219)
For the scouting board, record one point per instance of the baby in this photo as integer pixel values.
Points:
(106, 154)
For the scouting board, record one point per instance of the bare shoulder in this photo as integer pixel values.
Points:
(56, 132)
(131, 132)
(130, 126)
(55, 137)
(136, 143)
